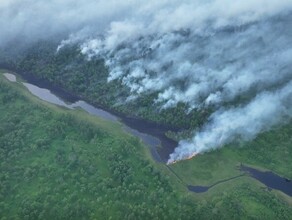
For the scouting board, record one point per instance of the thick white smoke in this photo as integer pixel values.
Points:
(201, 53)
(197, 67)
(266, 110)
(208, 54)
(31, 20)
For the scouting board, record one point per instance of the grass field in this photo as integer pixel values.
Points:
(269, 151)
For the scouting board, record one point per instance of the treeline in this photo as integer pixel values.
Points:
(88, 78)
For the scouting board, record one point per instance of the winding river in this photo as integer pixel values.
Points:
(152, 134)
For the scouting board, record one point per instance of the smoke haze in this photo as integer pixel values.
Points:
(201, 53)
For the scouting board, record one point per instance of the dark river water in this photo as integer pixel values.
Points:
(152, 134)
(270, 179)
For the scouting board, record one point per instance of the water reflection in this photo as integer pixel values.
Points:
(93, 110)
(10, 77)
(45, 95)
(48, 96)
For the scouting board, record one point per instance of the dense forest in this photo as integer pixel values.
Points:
(88, 78)
(152, 109)
(59, 164)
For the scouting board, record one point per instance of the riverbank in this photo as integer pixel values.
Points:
(242, 191)
(46, 95)
(162, 149)
(58, 164)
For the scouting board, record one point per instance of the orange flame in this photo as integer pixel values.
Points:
(187, 158)
(191, 156)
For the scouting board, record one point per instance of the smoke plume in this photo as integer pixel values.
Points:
(233, 56)
(266, 110)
